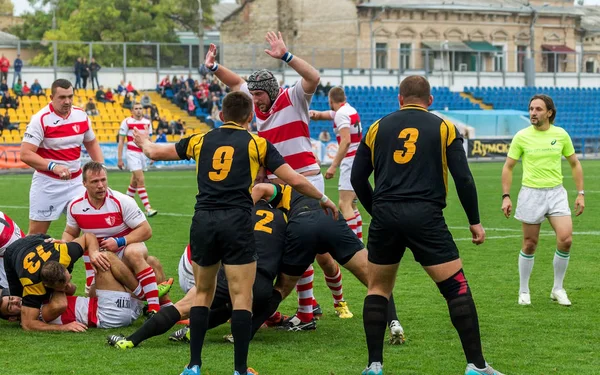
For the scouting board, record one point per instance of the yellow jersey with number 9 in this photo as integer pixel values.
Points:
(408, 153)
(227, 161)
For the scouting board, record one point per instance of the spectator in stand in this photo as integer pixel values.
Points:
(108, 95)
(190, 82)
(26, 90)
(6, 101)
(77, 71)
(85, 73)
(18, 88)
(324, 136)
(131, 89)
(94, 69)
(163, 125)
(36, 88)
(146, 102)
(128, 101)
(327, 88)
(175, 85)
(7, 124)
(164, 84)
(154, 115)
(18, 66)
(1, 124)
(4, 66)
(121, 89)
(161, 137)
(203, 101)
(90, 107)
(178, 127)
(191, 107)
(101, 96)
(3, 87)
(181, 98)
(204, 87)
(215, 88)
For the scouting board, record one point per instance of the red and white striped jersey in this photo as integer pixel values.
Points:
(9, 232)
(117, 217)
(80, 309)
(126, 130)
(286, 127)
(347, 117)
(59, 138)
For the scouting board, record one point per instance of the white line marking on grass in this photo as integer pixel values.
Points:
(160, 213)
(16, 207)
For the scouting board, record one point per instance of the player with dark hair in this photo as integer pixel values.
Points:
(52, 146)
(228, 159)
(9, 233)
(542, 146)
(411, 151)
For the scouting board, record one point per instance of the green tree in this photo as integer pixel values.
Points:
(133, 21)
(6, 7)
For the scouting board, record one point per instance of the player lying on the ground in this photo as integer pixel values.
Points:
(113, 307)
(120, 226)
(310, 230)
(269, 234)
(9, 233)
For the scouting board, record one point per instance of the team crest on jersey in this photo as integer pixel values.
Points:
(110, 220)
(76, 128)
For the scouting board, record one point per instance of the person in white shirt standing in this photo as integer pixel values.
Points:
(136, 160)
(282, 118)
(348, 131)
(52, 146)
(120, 226)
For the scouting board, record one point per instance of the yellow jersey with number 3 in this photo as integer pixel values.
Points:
(227, 161)
(409, 155)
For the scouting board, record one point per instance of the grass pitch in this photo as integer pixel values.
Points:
(544, 338)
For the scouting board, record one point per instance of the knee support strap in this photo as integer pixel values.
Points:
(455, 286)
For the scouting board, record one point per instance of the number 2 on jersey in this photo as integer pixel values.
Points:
(222, 160)
(410, 136)
(262, 224)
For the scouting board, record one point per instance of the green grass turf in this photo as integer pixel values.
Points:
(542, 339)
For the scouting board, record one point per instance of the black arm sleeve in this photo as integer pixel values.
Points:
(181, 148)
(361, 170)
(463, 179)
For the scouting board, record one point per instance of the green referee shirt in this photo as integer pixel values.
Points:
(541, 152)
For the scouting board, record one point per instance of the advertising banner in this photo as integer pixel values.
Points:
(488, 148)
(10, 157)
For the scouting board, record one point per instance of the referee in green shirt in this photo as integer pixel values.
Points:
(541, 146)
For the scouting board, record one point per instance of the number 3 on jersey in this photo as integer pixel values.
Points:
(222, 160)
(410, 136)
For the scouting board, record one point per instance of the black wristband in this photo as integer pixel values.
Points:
(505, 196)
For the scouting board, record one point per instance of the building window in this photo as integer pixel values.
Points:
(405, 49)
(521, 54)
(589, 66)
(499, 59)
(381, 55)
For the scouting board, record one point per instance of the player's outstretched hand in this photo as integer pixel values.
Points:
(139, 137)
(478, 233)
(75, 327)
(330, 172)
(278, 48)
(312, 114)
(579, 205)
(507, 207)
(209, 60)
(330, 206)
(120, 164)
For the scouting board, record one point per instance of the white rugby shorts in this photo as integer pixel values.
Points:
(136, 161)
(49, 197)
(117, 309)
(534, 205)
(186, 277)
(345, 172)
(318, 181)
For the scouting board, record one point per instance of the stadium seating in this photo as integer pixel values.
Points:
(374, 102)
(576, 108)
(106, 124)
